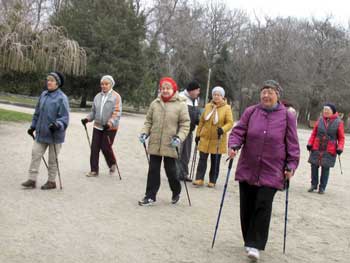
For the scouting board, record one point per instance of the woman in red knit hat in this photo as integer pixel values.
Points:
(167, 125)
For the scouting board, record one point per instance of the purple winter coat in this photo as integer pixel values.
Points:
(268, 144)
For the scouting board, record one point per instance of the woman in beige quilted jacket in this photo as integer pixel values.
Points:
(167, 124)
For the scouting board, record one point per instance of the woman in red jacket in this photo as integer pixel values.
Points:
(326, 141)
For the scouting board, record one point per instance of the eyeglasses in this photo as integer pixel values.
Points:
(269, 92)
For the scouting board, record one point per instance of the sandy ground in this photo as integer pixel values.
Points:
(99, 220)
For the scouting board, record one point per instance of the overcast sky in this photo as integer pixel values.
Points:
(340, 9)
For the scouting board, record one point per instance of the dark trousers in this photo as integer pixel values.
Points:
(185, 154)
(202, 166)
(255, 208)
(324, 176)
(153, 178)
(102, 140)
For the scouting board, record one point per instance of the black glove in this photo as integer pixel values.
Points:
(220, 131)
(30, 131)
(105, 127)
(339, 152)
(197, 139)
(309, 147)
(235, 148)
(53, 126)
(84, 121)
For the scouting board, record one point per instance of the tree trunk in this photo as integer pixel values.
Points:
(83, 99)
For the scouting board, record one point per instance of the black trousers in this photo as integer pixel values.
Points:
(202, 167)
(102, 140)
(185, 153)
(255, 208)
(153, 178)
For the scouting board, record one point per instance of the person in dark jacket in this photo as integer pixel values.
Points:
(49, 124)
(105, 112)
(191, 94)
(267, 135)
(326, 141)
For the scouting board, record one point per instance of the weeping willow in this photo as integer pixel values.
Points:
(24, 50)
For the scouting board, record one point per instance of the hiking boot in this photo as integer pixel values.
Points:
(312, 188)
(146, 202)
(92, 174)
(253, 254)
(321, 191)
(29, 184)
(211, 185)
(112, 169)
(198, 182)
(48, 185)
(175, 199)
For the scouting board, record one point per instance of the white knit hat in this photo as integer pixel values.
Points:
(109, 78)
(218, 89)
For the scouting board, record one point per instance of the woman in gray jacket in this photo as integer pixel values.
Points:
(105, 112)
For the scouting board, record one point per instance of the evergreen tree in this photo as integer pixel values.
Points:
(112, 34)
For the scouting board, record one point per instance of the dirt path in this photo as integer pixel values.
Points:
(98, 219)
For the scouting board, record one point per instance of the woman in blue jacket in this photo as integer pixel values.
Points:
(49, 124)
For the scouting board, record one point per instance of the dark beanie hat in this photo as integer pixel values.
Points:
(193, 85)
(273, 84)
(332, 106)
(58, 77)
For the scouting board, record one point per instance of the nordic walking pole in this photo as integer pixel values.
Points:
(58, 168)
(193, 165)
(31, 135)
(285, 216)
(188, 196)
(87, 135)
(144, 146)
(116, 163)
(222, 201)
(341, 170)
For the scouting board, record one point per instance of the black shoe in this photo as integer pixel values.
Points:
(48, 185)
(175, 199)
(321, 191)
(29, 184)
(188, 179)
(185, 178)
(146, 202)
(312, 188)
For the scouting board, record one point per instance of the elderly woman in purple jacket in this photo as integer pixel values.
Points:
(267, 135)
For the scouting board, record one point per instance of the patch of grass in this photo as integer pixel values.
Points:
(8, 115)
(19, 99)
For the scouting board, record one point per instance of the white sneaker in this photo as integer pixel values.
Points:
(112, 169)
(253, 254)
(247, 249)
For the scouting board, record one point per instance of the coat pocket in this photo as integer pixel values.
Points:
(316, 144)
(331, 147)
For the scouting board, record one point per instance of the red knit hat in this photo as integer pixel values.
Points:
(170, 80)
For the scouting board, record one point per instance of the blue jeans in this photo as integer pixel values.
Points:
(324, 176)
